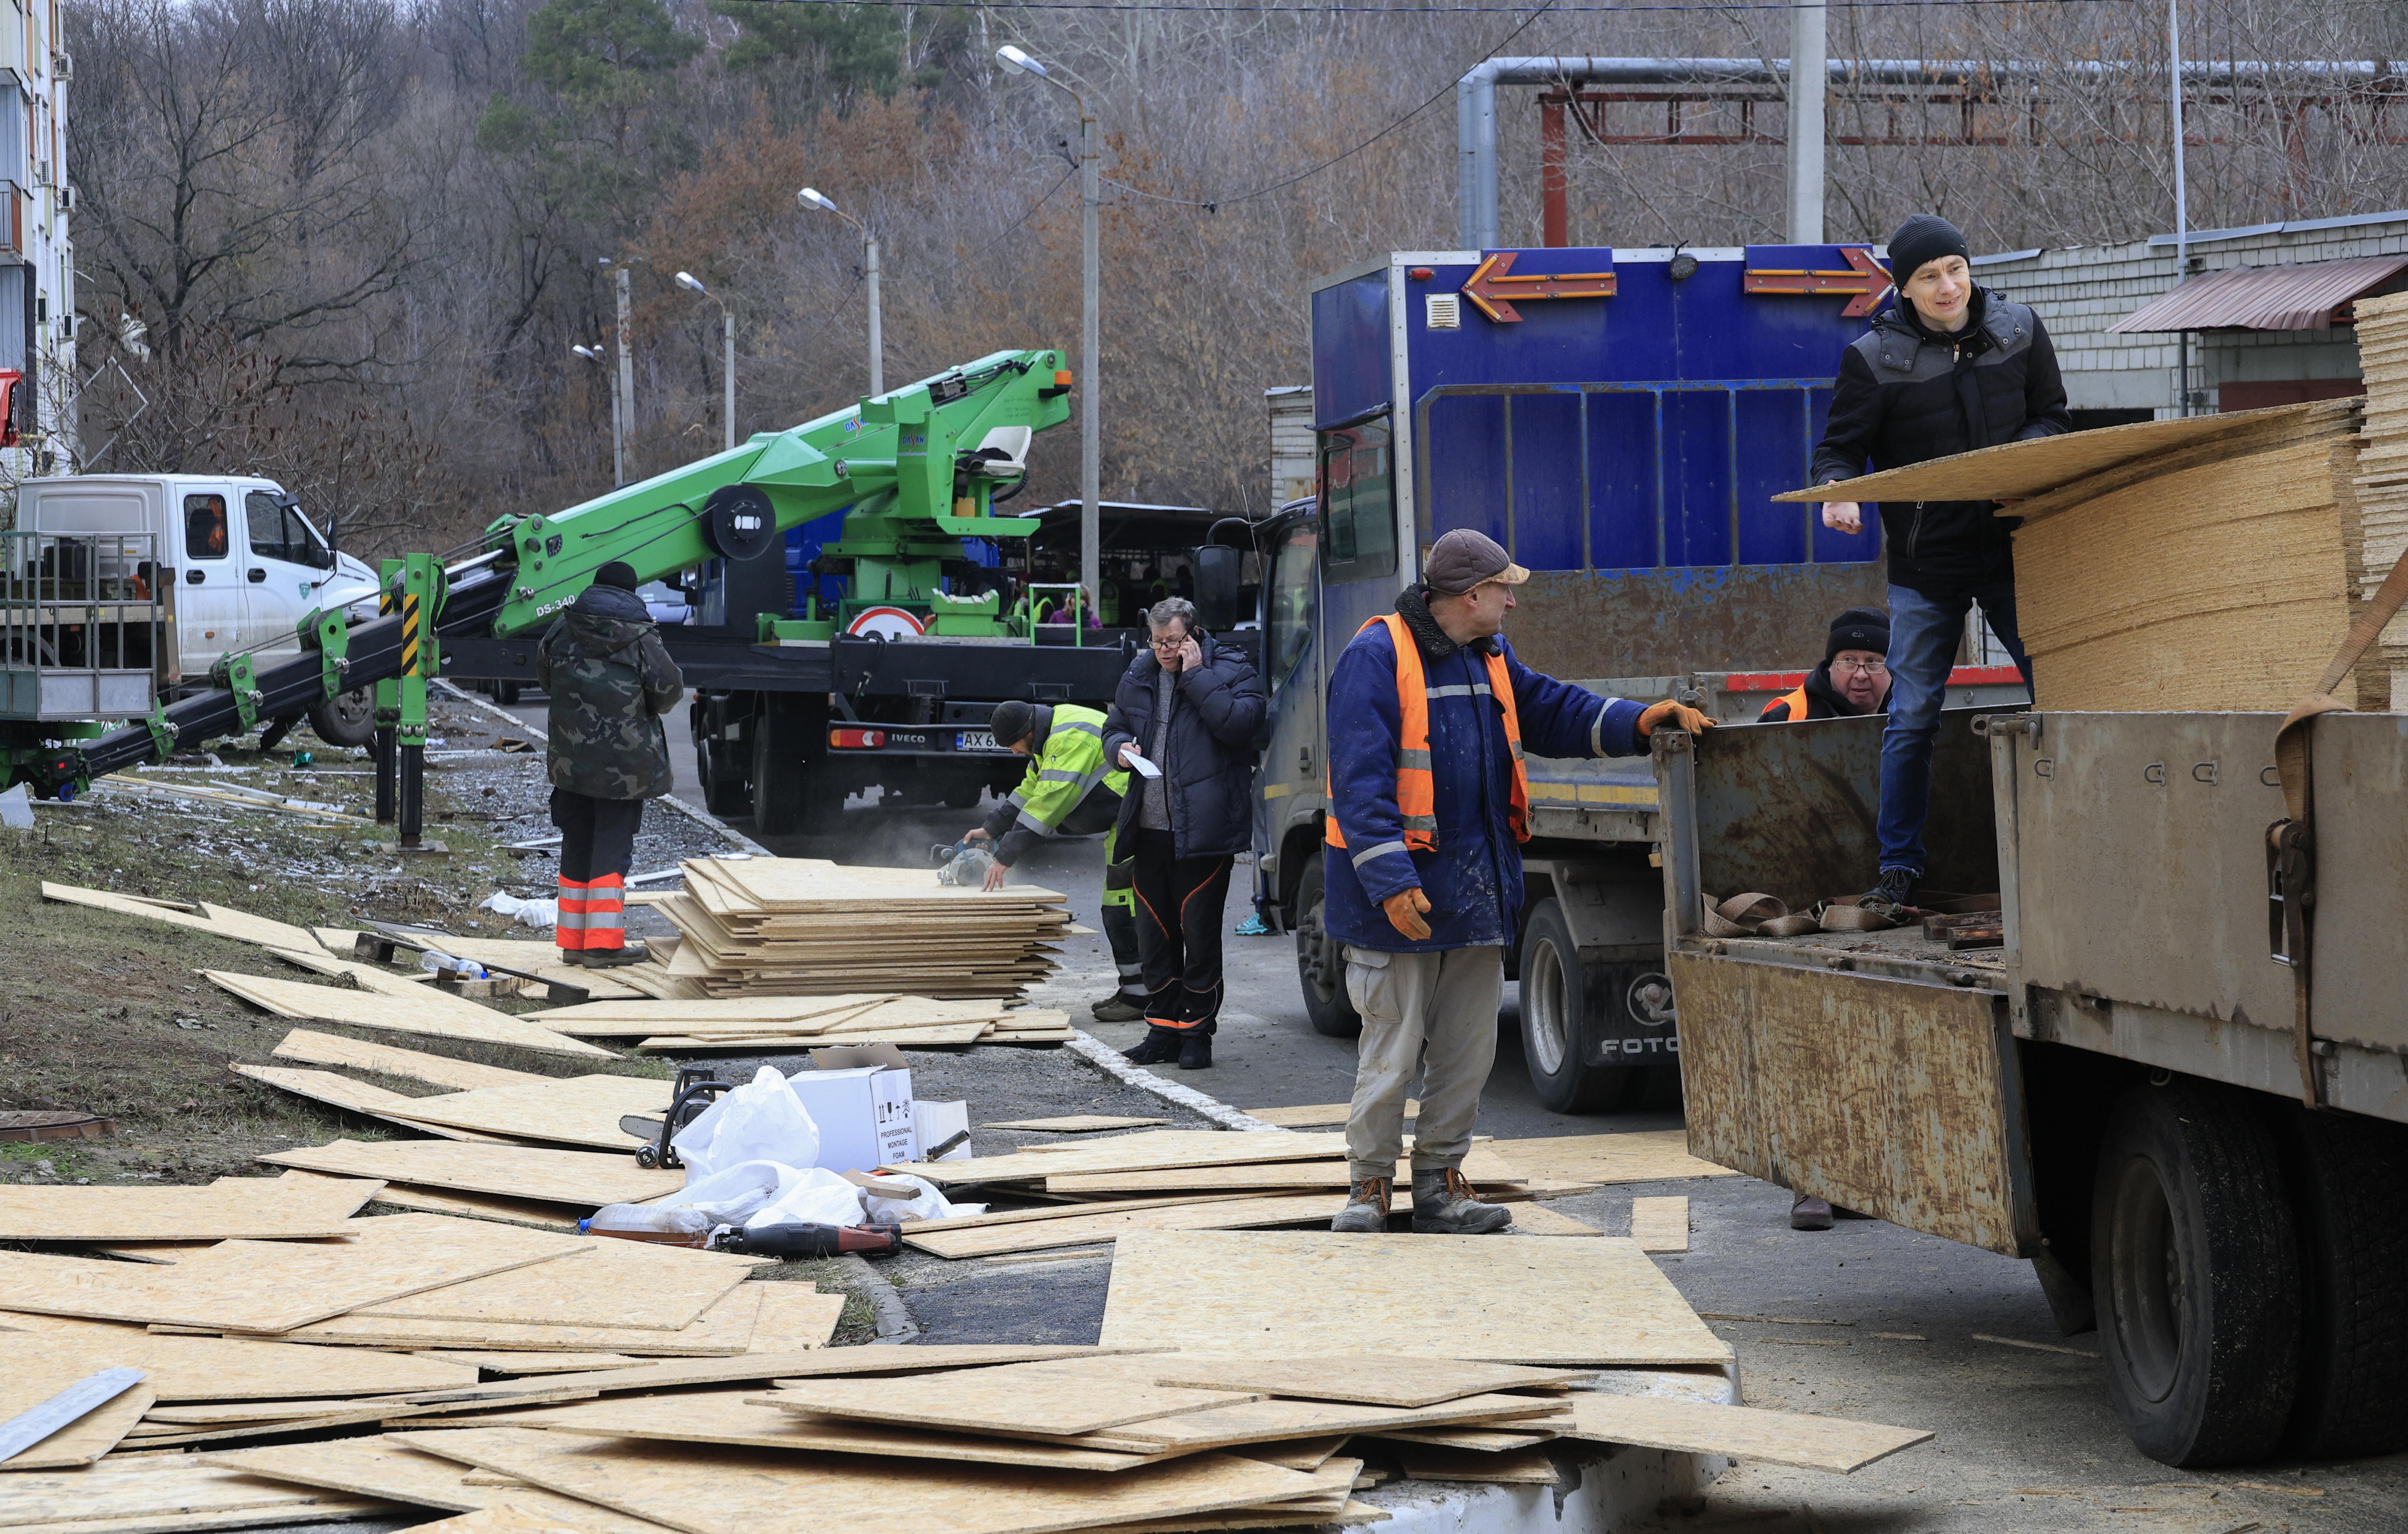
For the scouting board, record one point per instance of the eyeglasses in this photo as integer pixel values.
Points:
(1168, 645)
(1868, 667)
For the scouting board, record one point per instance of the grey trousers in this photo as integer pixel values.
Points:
(1437, 1012)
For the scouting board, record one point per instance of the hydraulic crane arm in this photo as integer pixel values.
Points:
(932, 452)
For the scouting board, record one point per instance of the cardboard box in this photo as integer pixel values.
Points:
(938, 1121)
(863, 1114)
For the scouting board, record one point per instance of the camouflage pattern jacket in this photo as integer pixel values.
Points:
(611, 679)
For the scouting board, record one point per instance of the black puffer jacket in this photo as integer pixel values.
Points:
(1215, 708)
(1823, 701)
(1908, 393)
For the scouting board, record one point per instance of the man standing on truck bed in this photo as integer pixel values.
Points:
(609, 679)
(1070, 790)
(1953, 367)
(1430, 714)
(1853, 679)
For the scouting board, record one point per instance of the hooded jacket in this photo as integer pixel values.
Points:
(609, 679)
(1823, 701)
(1908, 393)
(1215, 709)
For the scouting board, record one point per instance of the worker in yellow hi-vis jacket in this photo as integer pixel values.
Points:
(1069, 790)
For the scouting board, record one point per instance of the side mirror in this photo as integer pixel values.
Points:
(1218, 586)
(333, 547)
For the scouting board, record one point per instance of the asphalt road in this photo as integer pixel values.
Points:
(1867, 1320)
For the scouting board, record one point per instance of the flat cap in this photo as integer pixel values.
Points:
(1462, 559)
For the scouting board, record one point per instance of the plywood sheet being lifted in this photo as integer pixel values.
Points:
(274, 1286)
(1571, 1303)
(1784, 1437)
(433, 1013)
(574, 1110)
(328, 1049)
(514, 1172)
(253, 1208)
(708, 1490)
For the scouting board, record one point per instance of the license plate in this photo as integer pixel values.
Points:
(976, 740)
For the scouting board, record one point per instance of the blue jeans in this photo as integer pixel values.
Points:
(1924, 634)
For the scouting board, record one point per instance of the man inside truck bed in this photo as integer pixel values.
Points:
(1954, 367)
(1854, 678)
(1429, 715)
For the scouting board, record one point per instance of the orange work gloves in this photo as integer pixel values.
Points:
(1680, 715)
(1405, 911)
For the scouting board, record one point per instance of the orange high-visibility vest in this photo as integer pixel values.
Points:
(1416, 788)
(1796, 699)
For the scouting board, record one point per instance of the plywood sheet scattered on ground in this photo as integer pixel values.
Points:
(1648, 1155)
(725, 1329)
(187, 1369)
(572, 1110)
(1513, 1467)
(1483, 1165)
(432, 1014)
(611, 1283)
(1315, 1115)
(368, 977)
(348, 1093)
(121, 1490)
(328, 1049)
(1538, 1220)
(1160, 1149)
(1742, 1432)
(218, 921)
(253, 1207)
(29, 1381)
(1660, 1225)
(1373, 1379)
(1272, 1421)
(735, 1417)
(385, 1467)
(742, 1491)
(1075, 1124)
(514, 1172)
(1061, 1400)
(533, 1363)
(540, 1213)
(628, 1019)
(1591, 1302)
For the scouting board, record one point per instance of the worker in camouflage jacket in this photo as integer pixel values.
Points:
(609, 679)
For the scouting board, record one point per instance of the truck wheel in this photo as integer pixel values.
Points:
(1559, 997)
(1321, 962)
(725, 790)
(2348, 1180)
(792, 790)
(2195, 1269)
(347, 719)
(506, 694)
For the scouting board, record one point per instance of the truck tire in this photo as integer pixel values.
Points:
(1321, 962)
(793, 793)
(2348, 1180)
(1559, 998)
(347, 719)
(726, 790)
(2195, 1269)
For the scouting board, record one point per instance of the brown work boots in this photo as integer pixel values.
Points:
(1366, 1208)
(1443, 1205)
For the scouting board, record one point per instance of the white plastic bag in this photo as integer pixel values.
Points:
(928, 1204)
(535, 914)
(815, 1195)
(760, 1121)
(686, 1222)
(729, 1195)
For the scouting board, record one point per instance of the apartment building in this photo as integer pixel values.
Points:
(36, 258)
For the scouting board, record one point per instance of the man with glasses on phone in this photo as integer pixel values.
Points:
(1854, 678)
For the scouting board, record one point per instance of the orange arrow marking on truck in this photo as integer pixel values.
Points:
(1495, 292)
(1863, 278)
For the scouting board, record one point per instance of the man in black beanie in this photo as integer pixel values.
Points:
(1950, 368)
(1854, 678)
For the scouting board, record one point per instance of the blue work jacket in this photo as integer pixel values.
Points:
(1474, 878)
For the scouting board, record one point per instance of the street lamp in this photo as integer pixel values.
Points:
(617, 435)
(621, 271)
(813, 197)
(1091, 471)
(727, 330)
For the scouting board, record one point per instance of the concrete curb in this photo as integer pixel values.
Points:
(892, 1316)
(1108, 1059)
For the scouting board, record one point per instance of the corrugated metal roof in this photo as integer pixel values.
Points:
(2299, 297)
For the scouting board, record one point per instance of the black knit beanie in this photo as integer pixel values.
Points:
(1014, 722)
(1925, 238)
(617, 573)
(1858, 629)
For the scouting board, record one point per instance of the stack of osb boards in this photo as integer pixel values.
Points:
(2208, 563)
(802, 926)
(757, 1023)
(2383, 457)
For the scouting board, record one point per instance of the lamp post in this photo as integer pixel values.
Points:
(727, 367)
(618, 434)
(813, 197)
(626, 396)
(1090, 444)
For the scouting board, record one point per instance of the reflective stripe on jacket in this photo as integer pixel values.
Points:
(1062, 772)
(1416, 788)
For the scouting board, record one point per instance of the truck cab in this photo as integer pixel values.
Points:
(237, 564)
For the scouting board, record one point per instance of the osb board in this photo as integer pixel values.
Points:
(1084, 1225)
(1515, 1467)
(503, 1518)
(385, 1467)
(1742, 1432)
(347, 1094)
(186, 1368)
(1592, 1302)
(217, 920)
(1487, 1440)
(1272, 1516)
(711, 1490)
(368, 977)
(1372, 1379)
(1314, 1115)
(811, 885)
(1074, 1124)
(1154, 1148)
(121, 1490)
(734, 1416)
(328, 1049)
(255, 1208)
(1538, 1220)
(2242, 621)
(1648, 1155)
(1061, 1400)
(793, 1316)
(807, 1360)
(1481, 1165)
(947, 1035)
(540, 959)
(573, 1110)
(725, 1329)
(1883, 1097)
(538, 1212)
(80, 1442)
(1270, 1421)
(274, 1286)
(1660, 1225)
(2023, 469)
(633, 1284)
(432, 1014)
(626, 1019)
(533, 1363)
(514, 1172)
